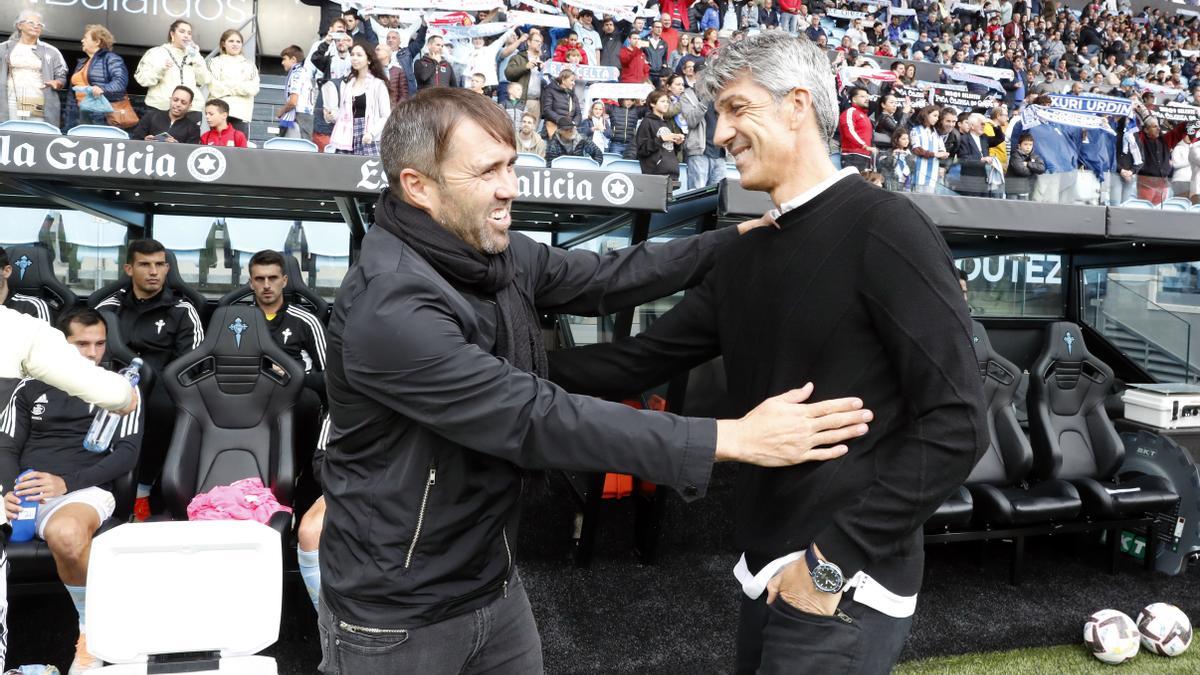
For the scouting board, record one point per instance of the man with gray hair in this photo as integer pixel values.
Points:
(438, 398)
(857, 293)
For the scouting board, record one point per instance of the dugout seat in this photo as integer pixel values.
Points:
(999, 487)
(33, 274)
(296, 292)
(1073, 437)
(32, 560)
(235, 394)
(175, 281)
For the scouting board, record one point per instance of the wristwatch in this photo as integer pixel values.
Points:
(827, 577)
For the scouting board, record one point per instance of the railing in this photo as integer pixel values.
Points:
(1142, 328)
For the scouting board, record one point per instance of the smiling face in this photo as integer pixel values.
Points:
(180, 102)
(359, 60)
(750, 125)
(474, 197)
(181, 37)
(233, 45)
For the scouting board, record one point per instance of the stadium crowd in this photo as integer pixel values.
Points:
(959, 126)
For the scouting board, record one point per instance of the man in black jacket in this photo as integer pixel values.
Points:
(432, 69)
(856, 291)
(172, 125)
(437, 401)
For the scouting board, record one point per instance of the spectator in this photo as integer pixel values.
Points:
(854, 128)
(365, 105)
(1154, 177)
(528, 140)
(789, 10)
(655, 140)
(974, 159)
(176, 62)
(567, 141)
(569, 43)
(896, 165)
(514, 105)
(748, 15)
(656, 50)
(401, 57)
(359, 29)
(947, 128)
(525, 68)
(596, 126)
(890, 118)
(625, 119)
(928, 148)
(235, 81)
(1023, 169)
(397, 81)
(710, 46)
(1123, 179)
(994, 131)
(712, 16)
(610, 44)
(477, 84)
(635, 69)
(295, 116)
(432, 69)
(31, 73)
(220, 131)
(173, 126)
(73, 487)
(558, 100)
(669, 34)
(589, 39)
(101, 71)
(694, 45)
(688, 73)
(768, 15)
(705, 161)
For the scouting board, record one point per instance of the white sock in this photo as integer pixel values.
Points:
(143, 490)
(79, 597)
(310, 572)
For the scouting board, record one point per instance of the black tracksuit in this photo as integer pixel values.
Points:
(27, 304)
(158, 329)
(430, 431)
(300, 333)
(858, 294)
(42, 428)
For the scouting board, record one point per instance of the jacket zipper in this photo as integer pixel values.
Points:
(364, 630)
(421, 516)
(508, 550)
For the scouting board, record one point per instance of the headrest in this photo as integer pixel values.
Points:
(240, 330)
(979, 339)
(33, 274)
(991, 363)
(174, 282)
(296, 291)
(1064, 342)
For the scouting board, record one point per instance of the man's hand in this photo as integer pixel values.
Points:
(782, 432)
(170, 139)
(38, 485)
(12, 506)
(133, 402)
(761, 221)
(794, 585)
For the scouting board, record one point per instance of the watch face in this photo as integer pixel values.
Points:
(827, 578)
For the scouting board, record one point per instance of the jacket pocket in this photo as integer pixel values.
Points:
(416, 538)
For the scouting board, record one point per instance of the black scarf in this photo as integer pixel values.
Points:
(519, 339)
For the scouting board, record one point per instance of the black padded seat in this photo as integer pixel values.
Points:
(954, 513)
(295, 292)
(998, 483)
(1073, 437)
(235, 396)
(33, 275)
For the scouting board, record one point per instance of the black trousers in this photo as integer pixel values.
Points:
(860, 162)
(779, 638)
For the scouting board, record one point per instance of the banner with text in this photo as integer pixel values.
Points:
(585, 73)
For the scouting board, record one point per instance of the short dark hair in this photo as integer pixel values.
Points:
(144, 247)
(854, 92)
(191, 94)
(654, 96)
(267, 257)
(80, 314)
(218, 104)
(3, 258)
(293, 51)
(350, 12)
(176, 24)
(1025, 136)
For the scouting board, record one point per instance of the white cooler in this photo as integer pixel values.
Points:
(1166, 406)
(197, 597)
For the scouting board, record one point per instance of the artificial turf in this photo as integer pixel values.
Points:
(1060, 660)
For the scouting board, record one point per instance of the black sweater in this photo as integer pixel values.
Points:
(858, 294)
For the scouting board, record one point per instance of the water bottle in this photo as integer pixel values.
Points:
(104, 426)
(23, 526)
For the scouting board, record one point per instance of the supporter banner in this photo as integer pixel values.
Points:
(1036, 115)
(483, 30)
(1095, 105)
(599, 9)
(903, 11)
(541, 7)
(845, 14)
(962, 76)
(1175, 113)
(966, 7)
(586, 73)
(985, 71)
(533, 19)
(917, 96)
(963, 100)
(1158, 89)
(382, 6)
(848, 74)
(252, 170)
(618, 90)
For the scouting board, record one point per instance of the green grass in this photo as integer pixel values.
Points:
(1061, 660)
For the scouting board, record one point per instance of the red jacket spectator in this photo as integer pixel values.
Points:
(560, 52)
(230, 137)
(671, 37)
(634, 67)
(678, 9)
(854, 126)
(789, 6)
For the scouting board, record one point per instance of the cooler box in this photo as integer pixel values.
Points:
(176, 597)
(1165, 406)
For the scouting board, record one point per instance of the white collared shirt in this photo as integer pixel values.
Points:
(812, 192)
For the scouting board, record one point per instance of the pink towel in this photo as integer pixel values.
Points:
(246, 499)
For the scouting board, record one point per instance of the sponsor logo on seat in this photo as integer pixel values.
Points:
(237, 328)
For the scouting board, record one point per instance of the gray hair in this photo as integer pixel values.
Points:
(25, 15)
(779, 63)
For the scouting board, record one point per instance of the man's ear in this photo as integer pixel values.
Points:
(417, 189)
(801, 106)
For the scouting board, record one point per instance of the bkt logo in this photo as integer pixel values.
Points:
(1146, 452)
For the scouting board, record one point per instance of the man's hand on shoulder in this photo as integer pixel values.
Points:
(762, 221)
(794, 585)
(783, 430)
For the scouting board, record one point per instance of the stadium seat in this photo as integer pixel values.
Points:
(998, 487)
(33, 274)
(624, 166)
(1195, 207)
(32, 561)
(1138, 204)
(295, 292)
(1177, 204)
(174, 281)
(573, 162)
(329, 149)
(30, 127)
(1073, 437)
(683, 180)
(731, 171)
(530, 159)
(98, 131)
(251, 144)
(235, 395)
(290, 144)
(609, 158)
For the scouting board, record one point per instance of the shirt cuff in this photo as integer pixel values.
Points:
(698, 456)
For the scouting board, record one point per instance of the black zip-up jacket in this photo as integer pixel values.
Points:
(430, 73)
(42, 428)
(158, 329)
(430, 431)
(624, 122)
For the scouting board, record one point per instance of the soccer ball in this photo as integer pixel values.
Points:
(1111, 636)
(1165, 629)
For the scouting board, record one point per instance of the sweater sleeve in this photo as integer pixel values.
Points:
(151, 68)
(911, 291)
(50, 358)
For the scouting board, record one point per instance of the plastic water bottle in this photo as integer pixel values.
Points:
(104, 426)
(23, 526)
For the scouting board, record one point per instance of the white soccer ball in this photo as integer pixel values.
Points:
(1165, 629)
(1111, 636)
